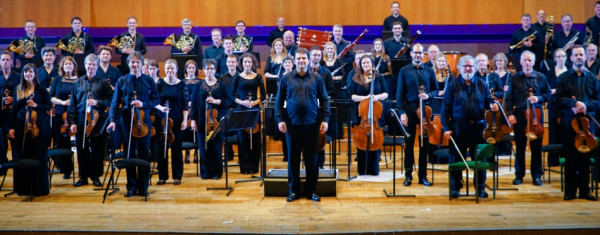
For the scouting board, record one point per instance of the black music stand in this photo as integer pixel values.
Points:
(243, 119)
(345, 106)
(218, 129)
(398, 63)
(393, 194)
(181, 58)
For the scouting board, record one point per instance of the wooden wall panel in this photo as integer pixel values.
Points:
(168, 13)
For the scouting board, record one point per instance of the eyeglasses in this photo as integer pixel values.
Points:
(467, 66)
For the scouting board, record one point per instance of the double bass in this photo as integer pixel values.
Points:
(368, 135)
(534, 127)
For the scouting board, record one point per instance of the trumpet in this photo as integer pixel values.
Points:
(522, 42)
(240, 42)
(183, 41)
(21, 47)
(122, 42)
(571, 42)
(72, 45)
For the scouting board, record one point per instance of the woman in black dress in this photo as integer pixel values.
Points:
(273, 67)
(30, 96)
(334, 65)
(209, 94)
(173, 91)
(60, 93)
(245, 92)
(360, 89)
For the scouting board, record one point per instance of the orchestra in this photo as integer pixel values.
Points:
(49, 105)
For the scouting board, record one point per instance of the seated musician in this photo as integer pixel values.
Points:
(210, 94)
(522, 40)
(360, 89)
(105, 69)
(139, 44)
(408, 97)
(91, 93)
(516, 103)
(572, 101)
(78, 35)
(216, 48)
(245, 42)
(38, 43)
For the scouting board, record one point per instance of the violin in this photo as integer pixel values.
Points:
(496, 127)
(424, 114)
(152, 129)
(64, 128)
(211, 121)
(31, 131)
(584, 139)
(534, 129)
(139, 128)
(4, 105)
(255, 128)
(167, 128)
(368, 135)
(91, 116)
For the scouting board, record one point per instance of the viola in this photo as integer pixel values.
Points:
(64, 128)
(91, 116)
(424, 114)
(496, 125)
(584, 139)
(368, 135)
(139, 128)
(255, 128)
(32, 131)
(167, 128)
(534, 127)
(437, 137)
(211, 121)
(4, 105)
(152, 129)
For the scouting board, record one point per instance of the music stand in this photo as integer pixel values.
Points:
(398, 63)
(240, 120)
(393, 194)
(345, 106)
(219, 128)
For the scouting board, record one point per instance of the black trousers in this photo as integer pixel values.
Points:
(467, 136)
(521, 143)
(211, 156)
(302, 140)
(176, 154)
(367, 162)
(577, 165)
(36, 149)
(137, 180)
(249, 151)
(91, 157)
(61, 141)
(409, 152)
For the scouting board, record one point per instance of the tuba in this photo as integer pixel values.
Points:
(122, 42)
(21, 47)
(240, 42)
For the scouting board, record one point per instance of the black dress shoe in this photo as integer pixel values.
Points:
(569, 197)
(144, 194)
(81, 182)
(588, 196)
(291, 197)
(67, 176)
(408, 181)
(425, 182)
(537, 182)
(454, 194)
(483, 194)
(129, 194)
(96, 182)
(176, 182)
(517, 181)
(216, 178)
(161, 182)
(315, 197)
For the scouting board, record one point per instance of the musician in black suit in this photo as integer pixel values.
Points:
(518, 40)
(78, 35)
(9, 79)
(592, 63)
(38, 41)
(388, 23)
(278, 32)
(192, 45)
(240, 28)
(105, 69)
(147, 98)
(47, 72)
(138, 45)
(593, 25)
(288, 42)
(567, 35)
(394, 44)
(341, 44)
(216, 48)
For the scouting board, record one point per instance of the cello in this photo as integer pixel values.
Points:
(534, 129)
(368, 135)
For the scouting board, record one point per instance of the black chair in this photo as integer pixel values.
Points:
(439, 156)
(189, 146)
(550, 148)
(140, 164)
(30, 165)
(59, 153)
(388, 141)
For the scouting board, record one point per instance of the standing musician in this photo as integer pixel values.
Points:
(153, 70)
(382, 63)
(331, 62)
(191, 81)
(526, 38)
(433, 51)
(38, 43)
(48, 72)
(105, 69)
(30, 134)
(593, 25)
(277, 32)
(503, 148)
(410, 78)
(210, 95)
(394, 44)
(288, 66)
(240, 28)
(77, 34)
(355, 66)
(288, 42)
(340, 44)
(516, 103)
(195, 48)
(173, 91)
(592, 63)
(567, 37)
(60, 96)
(492, 80)
(388, 23)
(228, 78)
(91, 93)
(216, 48)
(128, 86)
(465, 102)
(274, 62)
(139, 43)
(360, 88)
(300, 90)
(245, 92)
(443, 74)
(9, 79)
(572, 100)
(577, 92)
(554, 135)
(222, 67)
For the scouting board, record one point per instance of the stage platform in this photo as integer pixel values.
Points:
(360, 206)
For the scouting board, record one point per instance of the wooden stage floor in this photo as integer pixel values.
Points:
(359, 207)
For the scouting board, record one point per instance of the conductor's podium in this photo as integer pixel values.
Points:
(276, 182)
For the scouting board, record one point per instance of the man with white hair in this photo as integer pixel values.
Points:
(192, 48)
(433, 51)
(465, 102)
(288, 42)
(592, 63)
(277, 32)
